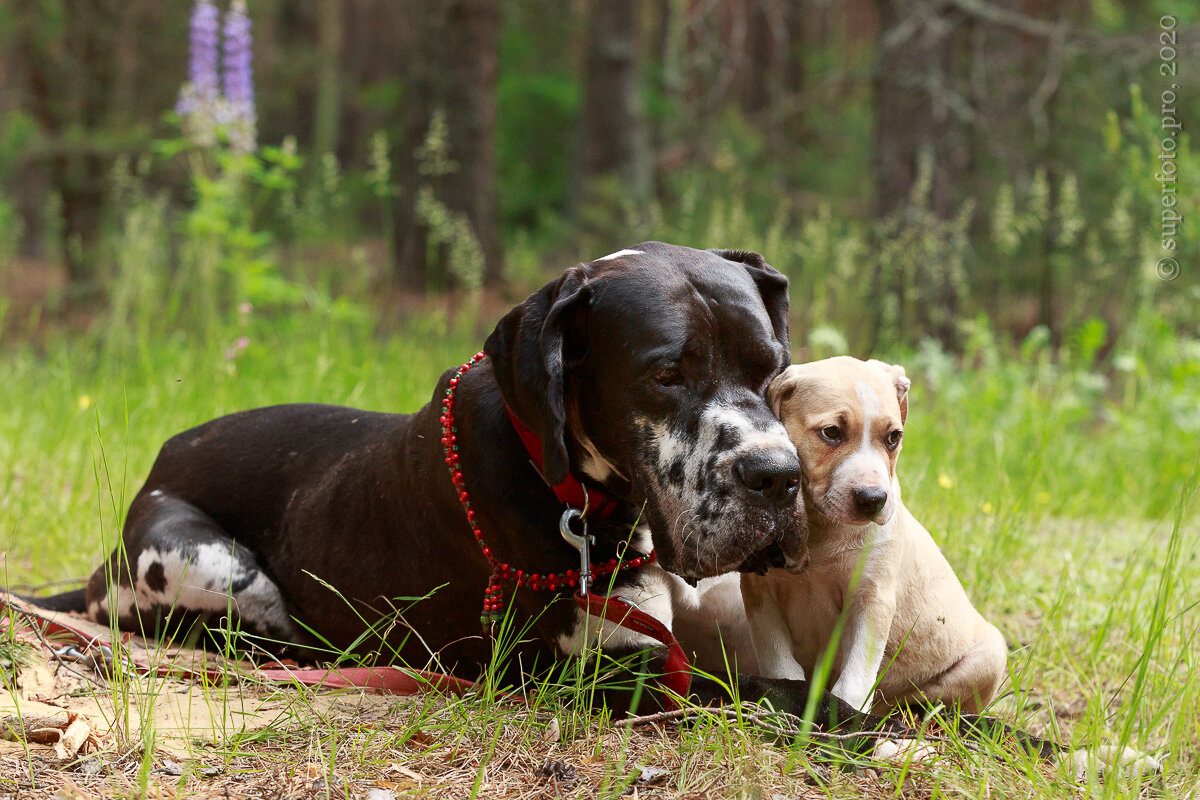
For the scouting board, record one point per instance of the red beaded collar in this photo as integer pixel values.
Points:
(493, 596)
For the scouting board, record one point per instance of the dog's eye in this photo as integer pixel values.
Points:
(670, 376)
(831, 434)
(893, 439)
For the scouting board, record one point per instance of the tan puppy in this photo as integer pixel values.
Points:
(873, 566)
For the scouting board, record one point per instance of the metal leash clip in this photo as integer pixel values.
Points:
(581, 543)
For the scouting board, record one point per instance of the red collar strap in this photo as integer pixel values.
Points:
(571, 492)
(493, 596)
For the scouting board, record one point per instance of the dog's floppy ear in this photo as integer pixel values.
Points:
(527, 353)
(773, 287)
(901, 382)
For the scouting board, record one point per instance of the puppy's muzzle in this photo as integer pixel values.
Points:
(771, 477)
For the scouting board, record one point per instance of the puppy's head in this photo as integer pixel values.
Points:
(846, 418)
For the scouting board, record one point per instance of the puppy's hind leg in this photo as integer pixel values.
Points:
(177, 566)
(972, 681)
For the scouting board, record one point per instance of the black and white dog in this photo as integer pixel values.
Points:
(643, 375)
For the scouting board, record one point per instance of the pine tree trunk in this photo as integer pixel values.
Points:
(326, 113)
(453, 72)
(612, 141)
(915, 55)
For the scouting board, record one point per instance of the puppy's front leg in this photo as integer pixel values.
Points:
(769, 630)
(868, 623)
(863, 641)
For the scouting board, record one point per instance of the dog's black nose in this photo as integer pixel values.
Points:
(774, 475)
(869, 500)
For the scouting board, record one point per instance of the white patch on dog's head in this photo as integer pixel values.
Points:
(866, 467)
(620, 254)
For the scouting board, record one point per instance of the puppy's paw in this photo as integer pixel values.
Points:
(904, 751)
(1109, 757)
(857, 694)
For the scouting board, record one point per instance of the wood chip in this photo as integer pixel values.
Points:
(72, 739)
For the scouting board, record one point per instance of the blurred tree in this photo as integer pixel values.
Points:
(770, 72)
(452, 71)
(85, 74)
(613, 134)
(327, 109)
(919, 111)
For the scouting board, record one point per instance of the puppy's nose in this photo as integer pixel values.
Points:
(774, 475)
(869, 500)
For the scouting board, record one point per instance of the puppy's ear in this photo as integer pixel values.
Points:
(773, 287)
(781, 389)
(901, 382)
(528, 349)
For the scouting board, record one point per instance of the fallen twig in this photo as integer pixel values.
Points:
(31, 622)
(761, 719)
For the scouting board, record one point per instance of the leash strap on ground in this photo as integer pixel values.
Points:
(387, 680)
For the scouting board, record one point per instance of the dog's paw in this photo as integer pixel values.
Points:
(1108, 757)
(904, 751)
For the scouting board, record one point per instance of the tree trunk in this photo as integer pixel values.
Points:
(453, 75)
(612, 141)
(329, 95)
(914, 115)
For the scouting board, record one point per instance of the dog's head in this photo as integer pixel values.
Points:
(846, 418)
(646, 372)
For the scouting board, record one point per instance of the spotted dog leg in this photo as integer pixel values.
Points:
(177, 567)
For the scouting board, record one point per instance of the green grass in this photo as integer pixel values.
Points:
(1062, 501)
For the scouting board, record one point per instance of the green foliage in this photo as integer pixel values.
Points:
(448, 230)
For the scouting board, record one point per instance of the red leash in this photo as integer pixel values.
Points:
(389, 680)
(677, 672)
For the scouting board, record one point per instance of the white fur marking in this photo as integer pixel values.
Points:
(1108, 757)
(595, 465)
(769, 632)
(904, 751)
(865, 466)
(717, 416)
(868, 398)
(652, 596)
(620, 254)
(202, 580)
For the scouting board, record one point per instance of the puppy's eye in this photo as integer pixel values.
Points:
(670, 376)
(892, 440)
(831, 434)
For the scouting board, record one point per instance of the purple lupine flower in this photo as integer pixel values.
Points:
(238, 77)
(200, 96)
